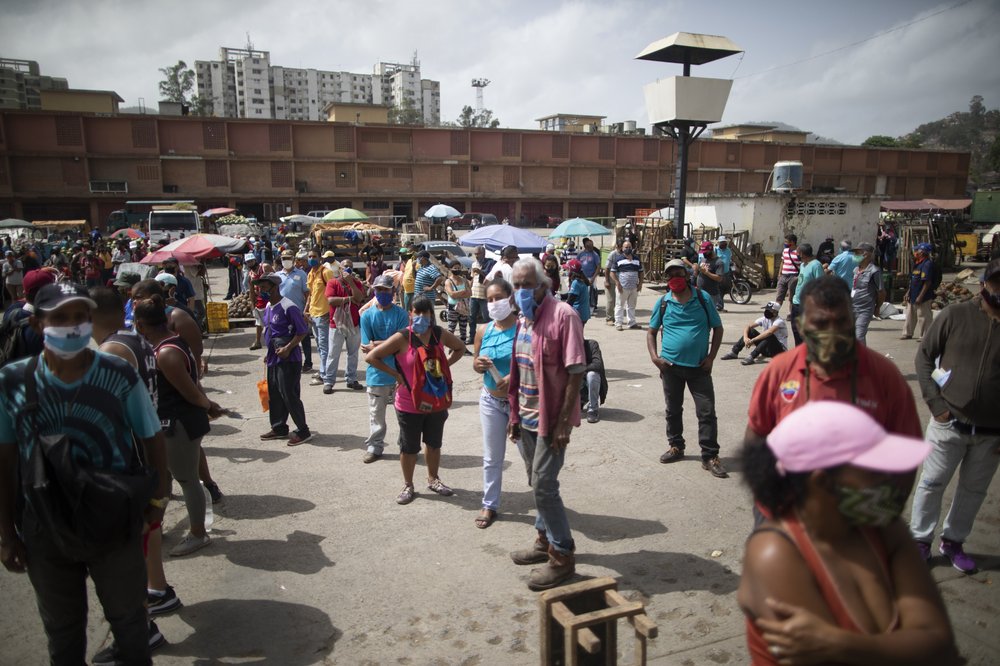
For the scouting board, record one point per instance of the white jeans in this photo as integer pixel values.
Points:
(494, 414)
(337, 341)
(625, 307)
(379, 397)
(975, 457)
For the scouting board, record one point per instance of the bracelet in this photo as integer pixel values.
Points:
(159, 503)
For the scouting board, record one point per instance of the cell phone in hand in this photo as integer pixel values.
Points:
(494, 373)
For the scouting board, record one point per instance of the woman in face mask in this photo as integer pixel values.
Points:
(423, 391)
(494, 348)
(834, 576)
(551, 266)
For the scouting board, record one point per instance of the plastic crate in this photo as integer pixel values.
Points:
(218, 317)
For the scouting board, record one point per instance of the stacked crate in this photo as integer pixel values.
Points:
(218, 317)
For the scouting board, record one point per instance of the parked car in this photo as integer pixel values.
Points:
(437, 248)
(470, 220)
(317, 214)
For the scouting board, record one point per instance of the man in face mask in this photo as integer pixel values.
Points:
(627, 276)
(100, 403)
(767, 336)
(345, 294)
(295, 287)
(867, 293)
(843, 264)
(830, 366)
(919, 296)
(318, 310)
(965, 426)
(378, 325)
(544, 399)
(185, 290)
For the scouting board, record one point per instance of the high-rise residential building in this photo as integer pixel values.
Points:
(244, 83)
(21, 84)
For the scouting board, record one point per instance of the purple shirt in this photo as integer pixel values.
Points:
(282, 322)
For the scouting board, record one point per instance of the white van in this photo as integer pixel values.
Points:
(171, 225)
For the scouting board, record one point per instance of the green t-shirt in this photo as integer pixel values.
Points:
(809, 272)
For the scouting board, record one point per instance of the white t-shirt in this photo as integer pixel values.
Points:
(506, 271)
(781, 334)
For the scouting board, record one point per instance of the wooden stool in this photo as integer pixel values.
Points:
(579, 624)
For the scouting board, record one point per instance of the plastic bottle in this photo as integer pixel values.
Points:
(209, 514)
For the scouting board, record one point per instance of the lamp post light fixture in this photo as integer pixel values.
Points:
(683, 106)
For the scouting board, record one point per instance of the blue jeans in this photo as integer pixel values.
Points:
(593, 383)
(321, 331)
(494, 415)
(975, 458)
(543, 463)
(338, 339)
(478, 314)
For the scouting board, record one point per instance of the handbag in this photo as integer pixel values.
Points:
(82, 509)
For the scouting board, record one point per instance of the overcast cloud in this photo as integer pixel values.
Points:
(546, 56)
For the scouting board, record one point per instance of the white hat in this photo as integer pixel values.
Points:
(249, 256)
(722, 239)
(550, 247)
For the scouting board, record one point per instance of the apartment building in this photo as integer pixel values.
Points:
(83, 166)
(22, 84)
(244, 83)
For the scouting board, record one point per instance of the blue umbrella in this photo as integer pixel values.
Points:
(499, 236)
(579, 227)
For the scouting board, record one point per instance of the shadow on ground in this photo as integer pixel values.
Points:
(620, 415)
(256, 507)
(246, 455)
(653, 573)
(255, 631)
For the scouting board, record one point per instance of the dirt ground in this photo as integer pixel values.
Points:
(313, 562)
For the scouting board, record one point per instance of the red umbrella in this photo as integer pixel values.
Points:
(211, 212)
(129, 232)
(160, 256)
(206, 246)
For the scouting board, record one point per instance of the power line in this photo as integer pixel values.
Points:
(853, 44)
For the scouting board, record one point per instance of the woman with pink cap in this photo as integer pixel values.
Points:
(834, 576)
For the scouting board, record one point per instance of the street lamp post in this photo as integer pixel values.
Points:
(684, 106)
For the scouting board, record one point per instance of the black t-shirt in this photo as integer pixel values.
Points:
(706, 284)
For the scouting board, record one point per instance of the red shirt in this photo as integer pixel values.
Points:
(880, 390)
(336, 288)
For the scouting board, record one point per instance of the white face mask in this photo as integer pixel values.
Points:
(500, 310)
(286, 264)
(66, 342)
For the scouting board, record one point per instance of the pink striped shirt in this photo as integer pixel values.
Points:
(790, 262)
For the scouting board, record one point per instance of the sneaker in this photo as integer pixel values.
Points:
(609, 322)
(619, 327)
(190, 544)
(924, 549)
(728, 356)
(406, 496)
(635, 327)
(297, 438)
(307, 367)
(954, 552)
(109, 655)
(748, 361)
(317, 375)
(159, 604)
(270, 434)
(714, 466)
(315, 381)
(370, 457)
(213, 490)
(255, 346)
(438, 486)
(592, 417)
(327, 389)
(355, 386)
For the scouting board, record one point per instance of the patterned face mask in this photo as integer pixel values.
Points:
(876, 506)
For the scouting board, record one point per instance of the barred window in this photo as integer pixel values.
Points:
(459, 144)
(402, 172)
(343, 139)
(560, 147)
(280, 137)
(511, 178)
(459, 176)
(511, 145)
(143, 134)
(281, 174)
(374, 172)
(606, 179)
(68, 131)
(650, 150)
(606, 148)
(214, 136)
(147, 172)
(216, 173)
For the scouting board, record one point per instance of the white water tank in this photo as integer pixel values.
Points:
(787, 177)
(630, 126)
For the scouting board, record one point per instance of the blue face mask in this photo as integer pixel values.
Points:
(383, 298)
(347, 269)
(420, 324)
(67, 341)
(313, 263)
(525, 299)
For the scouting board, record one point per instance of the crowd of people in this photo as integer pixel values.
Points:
(831, 450)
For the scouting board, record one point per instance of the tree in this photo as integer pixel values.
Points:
(406, 114)
(200, 105)
(177, 82)
(471, 118)
(993, 157)
(880, 141)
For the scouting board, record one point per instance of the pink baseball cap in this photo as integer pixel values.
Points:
(826, 434)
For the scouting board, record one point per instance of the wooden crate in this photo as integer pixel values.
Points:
(218, 317)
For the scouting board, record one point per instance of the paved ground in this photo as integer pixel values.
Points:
(312, 562)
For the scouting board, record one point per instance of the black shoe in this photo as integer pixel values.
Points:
(728, 356)
(673, 454)
(327, 389)
(109, 655)
(714, 466)
(307, 367)
(355, 386)
(592, 417)
(748, 361)
(213, 490)
(162, 604)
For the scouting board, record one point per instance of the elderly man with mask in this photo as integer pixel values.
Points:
(544, 396)
(867, 292)
(843, 264)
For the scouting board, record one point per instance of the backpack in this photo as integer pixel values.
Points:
(430, 383)
(12, 345)
(697, 294)
(935, 275)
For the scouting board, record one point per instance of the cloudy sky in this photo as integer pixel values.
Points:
(845, 69)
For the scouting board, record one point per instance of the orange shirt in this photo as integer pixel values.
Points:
(879, 389)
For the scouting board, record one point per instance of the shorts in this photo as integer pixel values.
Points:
(413, 426)
(258, 316)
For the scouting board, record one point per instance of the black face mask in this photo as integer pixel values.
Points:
(992, 300)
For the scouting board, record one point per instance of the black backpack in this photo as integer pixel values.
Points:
(12, 344)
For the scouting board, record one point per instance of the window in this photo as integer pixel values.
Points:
(280, 137)
(68, 131)
(511, 179)
(216, 173)
(459, 175)
(256, 91)
(650, 150)
(214, 136)
(800, 207)
(281, 174)
(606, 148)
(606, 179)
(143, 134)
(402, 172)
(648, 181)
(375, 205)
(374, 172)
(147, 172)
(343, 140)
(560, 147)
(459, 144)
(374, 137)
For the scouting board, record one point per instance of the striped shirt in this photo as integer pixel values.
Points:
(790, 262)
(426, 276)
(527, 392)
(628, 269)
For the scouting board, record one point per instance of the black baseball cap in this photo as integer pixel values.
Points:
(992, 270)
(270, 277)
(54, 296)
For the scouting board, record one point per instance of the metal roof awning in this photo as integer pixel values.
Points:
(919, 205)
(693, 48)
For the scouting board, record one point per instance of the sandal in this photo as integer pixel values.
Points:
(440, 488)
(406, 496)
(485, 518)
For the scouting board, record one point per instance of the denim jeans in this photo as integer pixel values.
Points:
(337, 341)
(543, 464)
(975, 457)
(593, 384)
(699, 382)
(769, 347)
(478, 314)
(379, 397)
(794, 317)
(283, 391)
(494, 415)
(321, 330)
(60, 584)
(861, 323)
